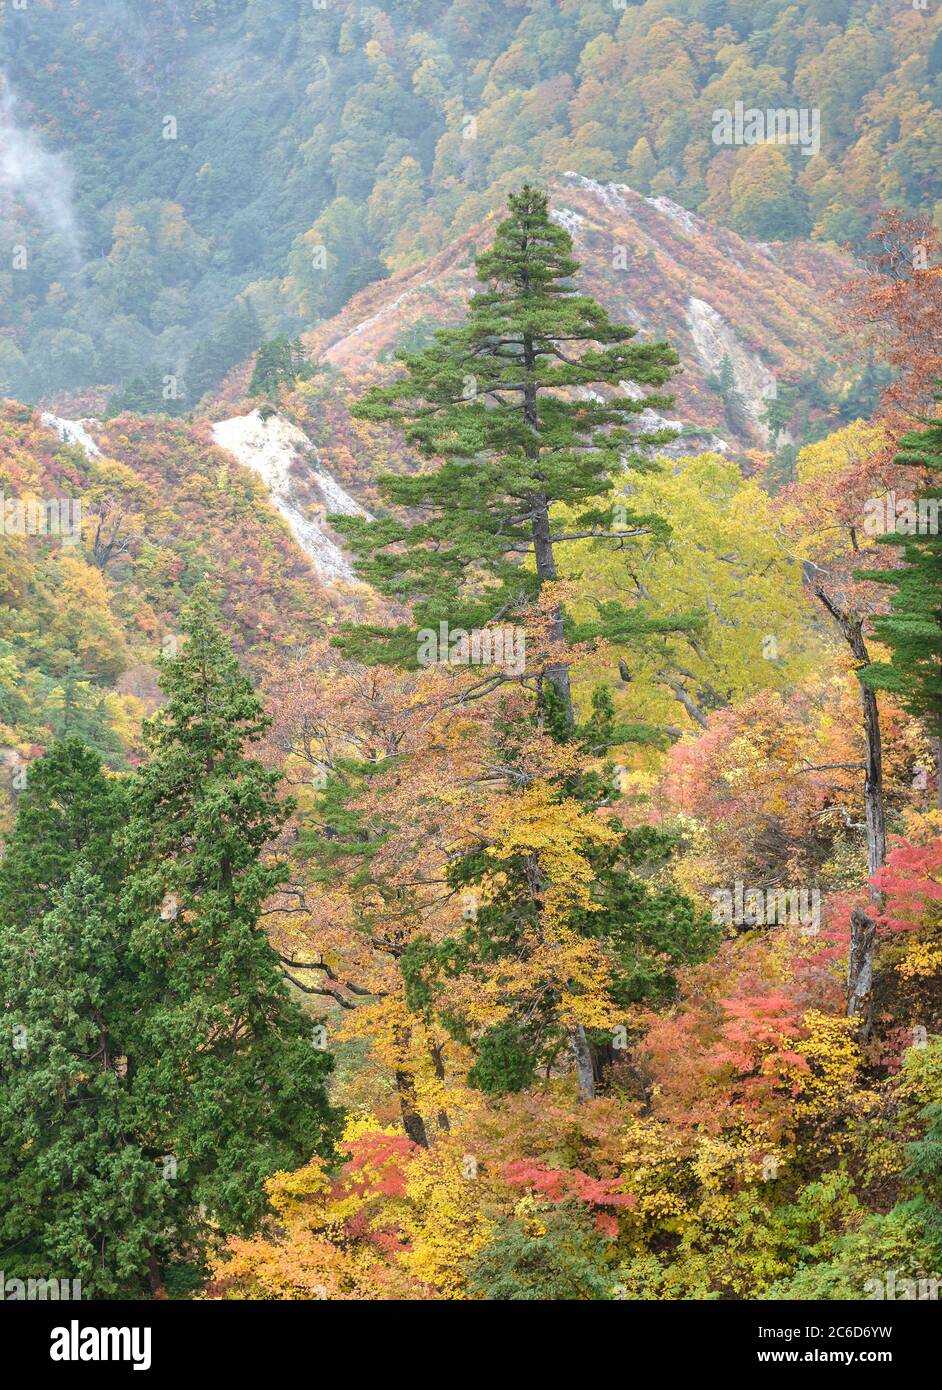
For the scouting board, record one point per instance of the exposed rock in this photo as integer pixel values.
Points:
(301, 488)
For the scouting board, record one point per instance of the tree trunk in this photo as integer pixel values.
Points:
(412, 1121)
(863, 935)
(874, 809)
(863, 929)
(938, 773)
(557, 672)
(585, 1070)
(155, 1277)
(438, 1062)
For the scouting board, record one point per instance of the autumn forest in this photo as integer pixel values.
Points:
(471, 656)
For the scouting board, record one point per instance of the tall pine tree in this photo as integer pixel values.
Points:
(527, 451)
(506, 402)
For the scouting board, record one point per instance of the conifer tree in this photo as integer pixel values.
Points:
(154, 1070)
(913, 627)
(486, 399)
(278, 360)
(80, 1196)
(228, 1051)
(507, 404)
(68, 813)
(81, 1147)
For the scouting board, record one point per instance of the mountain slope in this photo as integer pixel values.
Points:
(179, 178)
(85, 616)
(763, 308)
(299, 487)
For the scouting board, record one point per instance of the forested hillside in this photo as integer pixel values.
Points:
(188, 178)
(767, 362)
(470, 663)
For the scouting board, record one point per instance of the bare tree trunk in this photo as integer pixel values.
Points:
(585, 1071)
(863, 928)
(874, 808)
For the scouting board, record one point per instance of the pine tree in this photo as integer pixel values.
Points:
(506, 403)
(485, 398)
(913, 627)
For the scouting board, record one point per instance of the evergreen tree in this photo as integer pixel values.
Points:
(485, 398)
(81, 1193)
(228, 1052)
(913, 627)
(147, 394)
(279, 360)
(67, 814)
(924, 1173)
(155, 1070)
(734, 407)
(557, 1256)
(506, 403)
(82, 1148)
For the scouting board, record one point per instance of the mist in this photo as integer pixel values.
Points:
(33, 175)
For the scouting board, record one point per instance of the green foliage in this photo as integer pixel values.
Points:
(505, 1060)
(279, 361)
(155, 1070)
(555, 1255)
(912, 628)
(924, 1171)
(485, 399)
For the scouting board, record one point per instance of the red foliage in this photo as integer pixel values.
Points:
(377, 1165)
(564, 1184)
(909, 881)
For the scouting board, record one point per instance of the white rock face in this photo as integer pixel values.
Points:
(714, 339)
(73, 432)
(568, 219)
(682, 216)
(288, 463)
